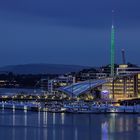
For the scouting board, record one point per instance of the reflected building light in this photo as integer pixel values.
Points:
(25, 119)
(105, 131)
(62, 118)
(45, 121)
(39, 130)
(54, 118)
(62, 134)
(25, 109)
(45, 117)
(2, 106)
(112, 122)
(75, 134)
(25, 124)
(14, 118)
(54, 135)
(128, 124)
(13, 108)
(13, 130)
(121, 125)
(39, 118)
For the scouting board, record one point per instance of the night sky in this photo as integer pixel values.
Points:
(68, 31)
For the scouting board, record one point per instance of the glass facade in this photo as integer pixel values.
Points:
(125, 87)
(77, 89)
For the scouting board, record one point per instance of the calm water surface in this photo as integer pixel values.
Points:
(13, 91)
(20, 125)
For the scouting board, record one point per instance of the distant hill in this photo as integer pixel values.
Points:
(42, 68)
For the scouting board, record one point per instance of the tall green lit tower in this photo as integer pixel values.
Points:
(112, 47)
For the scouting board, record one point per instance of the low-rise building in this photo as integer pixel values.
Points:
(51, 85)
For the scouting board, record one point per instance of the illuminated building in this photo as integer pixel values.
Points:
(63, 80)
(124, 69)
(127, 86)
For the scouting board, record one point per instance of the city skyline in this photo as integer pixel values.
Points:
(74, 32)
(69, 70)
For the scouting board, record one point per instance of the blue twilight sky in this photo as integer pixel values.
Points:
(68, 31)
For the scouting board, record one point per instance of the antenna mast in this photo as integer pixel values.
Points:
(112, 46)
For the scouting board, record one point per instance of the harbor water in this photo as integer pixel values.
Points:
(21, 125)
(13, 91)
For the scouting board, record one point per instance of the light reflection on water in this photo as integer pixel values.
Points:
(20, 125)
(105, 131)
(13, 134)
(25, 124)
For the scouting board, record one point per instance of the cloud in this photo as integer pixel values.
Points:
(60, 31)
(78, 13)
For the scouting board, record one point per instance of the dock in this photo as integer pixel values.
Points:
(74, 109)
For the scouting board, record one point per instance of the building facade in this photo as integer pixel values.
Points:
(127, 85)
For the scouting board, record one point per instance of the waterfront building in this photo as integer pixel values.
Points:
(60, 81)
(127, 85)
(122, 86)
(125, 69)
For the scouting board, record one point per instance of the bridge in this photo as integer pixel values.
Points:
(77, 89)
